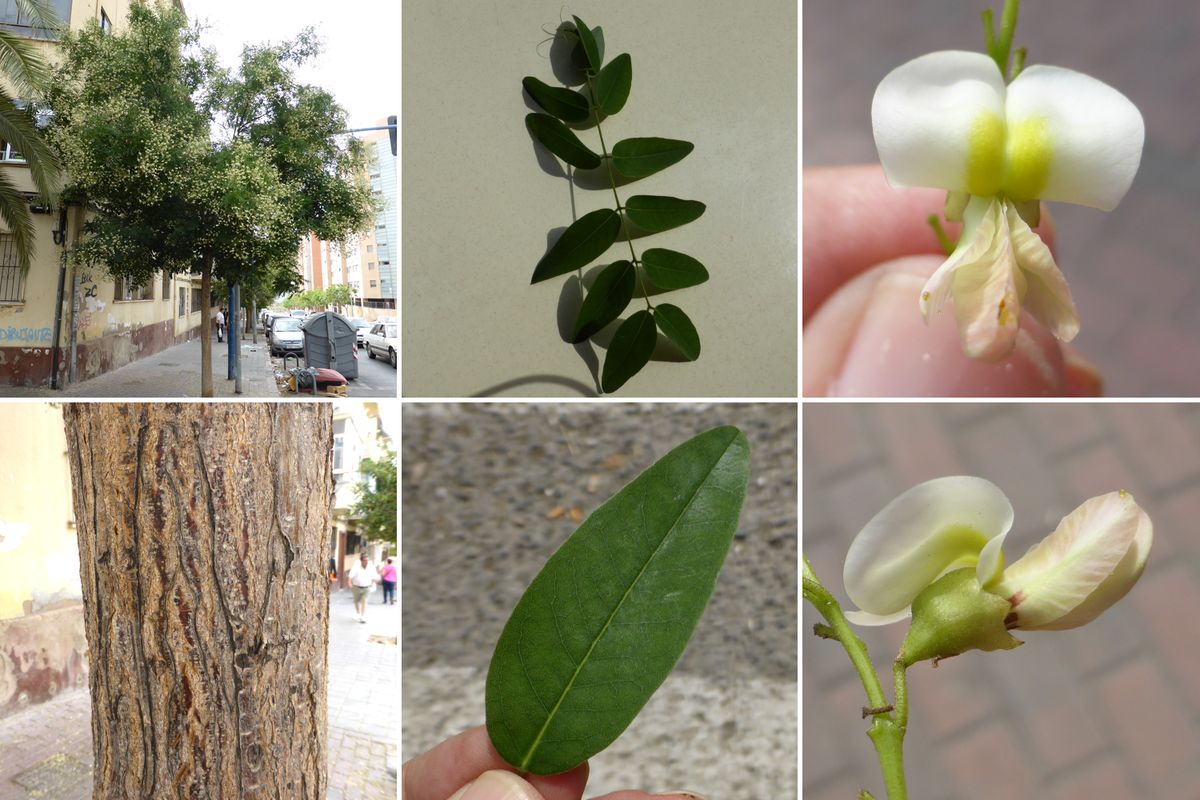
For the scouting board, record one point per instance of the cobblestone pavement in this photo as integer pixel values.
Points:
(46, 750)
(1108, 710)
(1132, 271)
(490, 490)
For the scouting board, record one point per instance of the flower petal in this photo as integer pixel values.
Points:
(868, 620)
(939, 121)
(987, 291)
(1047, 296)
(978, 237)
(928, 530)
(1116, 585)
(1070, 565)
(1070, 138)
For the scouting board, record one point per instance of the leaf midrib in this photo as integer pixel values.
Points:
(620, 603)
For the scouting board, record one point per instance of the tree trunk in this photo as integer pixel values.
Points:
(206, 382)
(202, 540)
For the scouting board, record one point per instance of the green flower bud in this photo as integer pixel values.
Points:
(955, 614)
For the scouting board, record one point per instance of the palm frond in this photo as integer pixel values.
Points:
(22, 65)
(15, 213)
(17, 128)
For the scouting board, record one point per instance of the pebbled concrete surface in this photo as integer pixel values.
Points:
(488, 493)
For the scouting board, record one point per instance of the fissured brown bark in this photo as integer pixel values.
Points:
(202, 538)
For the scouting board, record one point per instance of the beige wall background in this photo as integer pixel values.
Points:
(478, 205)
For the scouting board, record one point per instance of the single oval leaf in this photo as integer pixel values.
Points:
(566, 104)
(629, 351)
(608, 297)
(603, 623)
(654, 213)
(676, 326)
(591, 49)
(558, 139)
(668, 269)
(613, 83)
(582, 242)
(637, 158)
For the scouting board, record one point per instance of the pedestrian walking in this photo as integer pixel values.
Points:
(387, 576)
(363, 578)
(220, 325)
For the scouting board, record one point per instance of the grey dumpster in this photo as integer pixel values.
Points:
(329, 342)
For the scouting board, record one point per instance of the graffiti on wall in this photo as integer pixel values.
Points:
(15, 335)
(40, 656)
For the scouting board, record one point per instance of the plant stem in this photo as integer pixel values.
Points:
(999, 47)
(887, 728)
(612, 182)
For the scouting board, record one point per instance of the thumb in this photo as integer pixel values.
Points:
(497, 785)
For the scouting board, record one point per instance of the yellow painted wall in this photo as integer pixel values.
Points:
(38, 551)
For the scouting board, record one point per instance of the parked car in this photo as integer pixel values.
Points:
(361, 326)
(284, 335)
(383, 340)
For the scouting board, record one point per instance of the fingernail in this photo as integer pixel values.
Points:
(497, 785)
(1083, 377)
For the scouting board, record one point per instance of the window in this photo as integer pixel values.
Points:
(166, 286)
(13, 18)
(105, 22)
(12, 280)
(338, 447)
(182, 302)
(7, 153)
(195, 299)
(373, 284)
(370, 265)
(125, 289)
(370, 248)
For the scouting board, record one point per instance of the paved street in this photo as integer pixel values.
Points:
(175, 372)
(46, 750)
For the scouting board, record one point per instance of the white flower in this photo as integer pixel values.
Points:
(947, 120)
(1091, 560)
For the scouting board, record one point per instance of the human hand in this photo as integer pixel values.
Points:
(467, 767)
(868, 251)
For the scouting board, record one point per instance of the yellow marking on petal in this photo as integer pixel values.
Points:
(985, 155)
(1003, 314)
(1029, 155)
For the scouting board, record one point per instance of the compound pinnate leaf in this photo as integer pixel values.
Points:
(637, 158)
(591, 48)
(613, 83)
(608, 297)
(629, 351)
(668, 269)
(582, 242)
(654, 213)
(566, 104)
(558, 139)
(604, 622)
(676, 326)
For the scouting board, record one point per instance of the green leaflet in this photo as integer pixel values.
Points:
(608, 297)
(613, 83)
(582, 242)
(604, 622)
(629, 351)
(566, 104)
(637, 158)
(591, 48)
(559, 140)
(653, 213)
(668, 269)
(676, 326)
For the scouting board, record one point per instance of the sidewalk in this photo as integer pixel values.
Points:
(175, 372)
(46, 750)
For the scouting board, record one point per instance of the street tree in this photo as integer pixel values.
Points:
(376, 504)
(202, 538)
(190, 168)
(24, 76)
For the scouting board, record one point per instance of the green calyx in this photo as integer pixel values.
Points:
(955, 614)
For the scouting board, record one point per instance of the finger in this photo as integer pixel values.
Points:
(869, 340)
(854, 220)
(454, 763)
(626, 795)
(497, 785)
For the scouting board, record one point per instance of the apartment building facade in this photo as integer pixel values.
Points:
(61, 323)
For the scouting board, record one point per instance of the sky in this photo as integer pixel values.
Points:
(360, 64)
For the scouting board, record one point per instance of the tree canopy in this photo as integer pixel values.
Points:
(376, 505)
